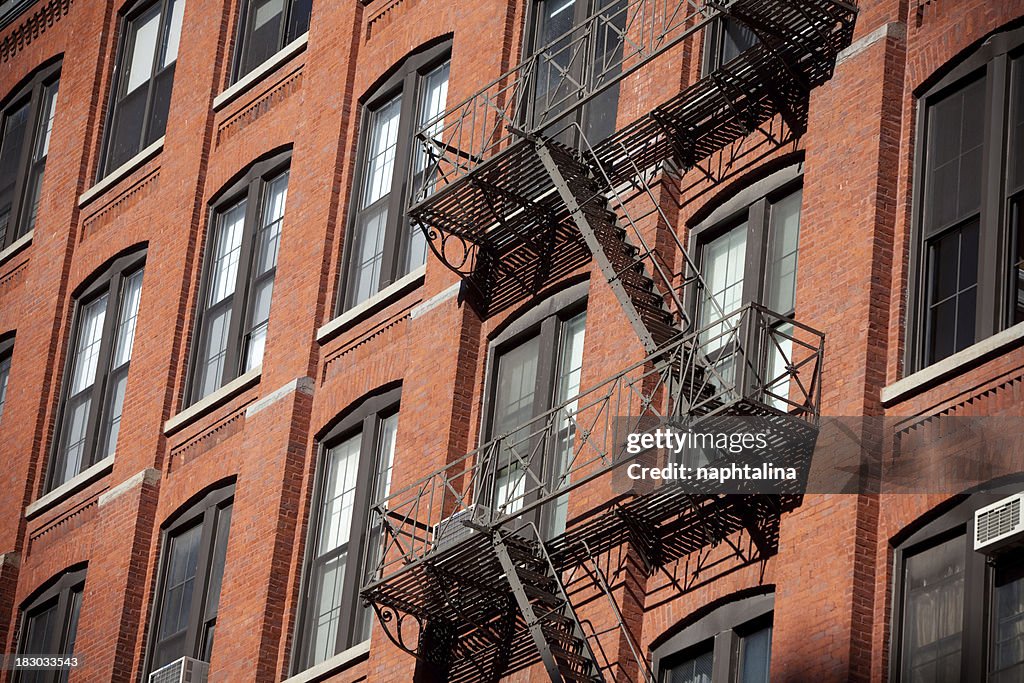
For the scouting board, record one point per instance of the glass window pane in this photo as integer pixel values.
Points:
(298, 19)
(954, 156)
(269, 237)
(263, 37)
(380, 159)
(1007, 662)
(755, 654)
(933, 603)
(87, 350)
(142, 46)
(5, 371)
(215, 349)
(696, 669)
(12, 140)
(371, 231)
(116, 407)
(130, 295)
(327, 608)
(229, 246)
(41, 149)
(952, 291)
(433, 97)
(736, 39)
(514, 400)
(724, 259)
(172, 32)
(339, 496)
(784, 239)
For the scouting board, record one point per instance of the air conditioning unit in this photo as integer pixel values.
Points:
(999, 524)
(184, 670)
(458, 526)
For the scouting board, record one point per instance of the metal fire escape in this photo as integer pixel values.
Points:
(520, 197)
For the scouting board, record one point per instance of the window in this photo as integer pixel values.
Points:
(241, 261)
(141, 95)
(969, 255)
(560, 26)
(958, 614)
(536, 365)
(725, 39)
(266, 26)
(383, 245)
(96, 373)
(49, 624)
(354, 474)
(6, 349)
(26, 122)
(730, 644)
(750, 255)
(193, 549)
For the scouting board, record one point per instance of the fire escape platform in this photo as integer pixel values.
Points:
(508, 209)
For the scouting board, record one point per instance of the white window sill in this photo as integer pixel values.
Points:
(76, 483)
(121, 172)
(259, 73)
(953, 365)
(332, 665)
(389, 294)
(211, 401)
(16, 246)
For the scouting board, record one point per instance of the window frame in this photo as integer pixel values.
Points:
(546, 321)
(205, 511)
(61, 589)
(712, 57)
(952, 520)
(243, 35)
(365, 419)
(6, 356)
(251, 187)
(119, 80)
(32, 89)
(724, 624)
(108, 282)
(992, 309)
(405, 81)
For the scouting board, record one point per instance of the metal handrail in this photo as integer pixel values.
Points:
(697, 376)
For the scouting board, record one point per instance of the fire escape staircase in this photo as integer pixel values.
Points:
(513, 207)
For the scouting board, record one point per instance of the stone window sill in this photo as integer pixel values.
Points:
(393, 292)
(16, 246)
(333, 665)
(121, 172)
(214, 400)
(248, 81)
(953, 365)
(71, 486)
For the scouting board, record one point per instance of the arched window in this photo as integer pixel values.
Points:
(96, 372)
(356, 459)
(49, 627)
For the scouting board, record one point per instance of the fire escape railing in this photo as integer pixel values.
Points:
(555, 80)
(751, 355)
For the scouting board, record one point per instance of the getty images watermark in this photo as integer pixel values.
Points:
(704, 456)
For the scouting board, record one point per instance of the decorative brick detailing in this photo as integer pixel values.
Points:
(120, 203)
(56, 528)
(32, 27)
(387, 14)
(13, 276)
(252, 112)
(331, 360)
(189, 450)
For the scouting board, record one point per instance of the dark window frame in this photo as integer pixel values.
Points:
(364, 418)
(59, 592)
(119, 82)
(990, 61)
(32, 90)
(545, 320)
(285, 34)
(108, 282)
(582, 116)
(724, 625)
(6, 357)
(954, 520)
(713, 56)
(405, 81)
(205, 511)
(250, 187)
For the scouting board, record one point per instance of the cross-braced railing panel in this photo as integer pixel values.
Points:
(766, 362)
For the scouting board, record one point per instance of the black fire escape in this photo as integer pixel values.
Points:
(520, 197)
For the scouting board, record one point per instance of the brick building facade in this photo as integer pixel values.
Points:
(183, 459)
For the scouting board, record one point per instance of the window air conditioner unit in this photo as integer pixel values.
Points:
(184, 670)
(999, 524)
(459, 526)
